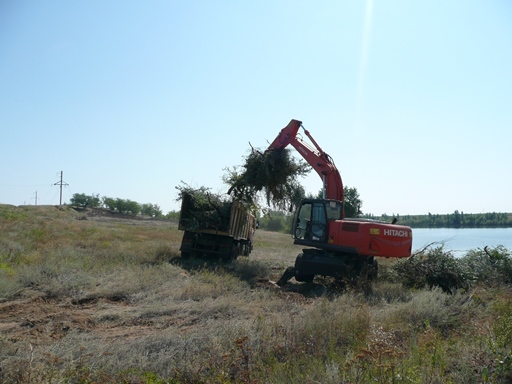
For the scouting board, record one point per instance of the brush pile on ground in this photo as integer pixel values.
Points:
(205, 210)
(273, 172)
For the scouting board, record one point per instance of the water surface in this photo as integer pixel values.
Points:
(461, 240)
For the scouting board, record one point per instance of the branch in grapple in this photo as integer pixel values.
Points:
(274, 172)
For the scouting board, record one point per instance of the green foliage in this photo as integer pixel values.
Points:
(491, 265)
(273, 172)
(83, 201)
(276, 221)
(433, 267)
(152, 210)
(109, 203)
(352, 202)
(122, 205)
(203, 209)
(127, 206)
(295, 192)
(173, 215)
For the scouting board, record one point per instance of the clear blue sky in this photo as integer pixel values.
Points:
(412, 99)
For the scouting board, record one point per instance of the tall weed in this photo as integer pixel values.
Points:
(436, 309)
(500, 341)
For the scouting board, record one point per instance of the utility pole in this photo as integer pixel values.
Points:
(61, 183)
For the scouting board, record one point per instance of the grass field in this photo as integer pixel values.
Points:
(89, 297)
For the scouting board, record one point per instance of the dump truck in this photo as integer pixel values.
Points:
(215, 229)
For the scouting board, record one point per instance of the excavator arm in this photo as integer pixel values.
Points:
(314, 155)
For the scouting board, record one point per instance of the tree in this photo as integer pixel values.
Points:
(173, 215)
(83, 201)
(296, 193)
(352, 201)
(127, 206)
(109, 202)
(276, 221)
(122, 205)
(152, 210)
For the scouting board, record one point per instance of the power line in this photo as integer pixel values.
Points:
(61, 183)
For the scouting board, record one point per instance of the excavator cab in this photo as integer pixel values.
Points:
(311, 222)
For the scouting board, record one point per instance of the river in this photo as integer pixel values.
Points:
(461, 240)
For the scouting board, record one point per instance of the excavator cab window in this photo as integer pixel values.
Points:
(312, 221)
(334, 210)
(318, 222)
(302, 219)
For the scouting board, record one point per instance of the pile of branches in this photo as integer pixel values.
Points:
(273, 172)
(203, 209)
(433, 267)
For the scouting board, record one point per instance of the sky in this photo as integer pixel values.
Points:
(130, 99)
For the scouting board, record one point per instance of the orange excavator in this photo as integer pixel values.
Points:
(336, 246)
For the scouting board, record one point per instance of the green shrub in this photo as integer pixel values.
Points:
(490, 266)
(434, 267)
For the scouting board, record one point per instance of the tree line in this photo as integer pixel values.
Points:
(125, 206)
(452, 220)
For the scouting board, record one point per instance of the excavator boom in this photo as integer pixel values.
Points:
(314, 155)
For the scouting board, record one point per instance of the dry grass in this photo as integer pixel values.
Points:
(110, 300)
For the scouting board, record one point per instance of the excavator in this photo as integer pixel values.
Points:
(335, 246)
